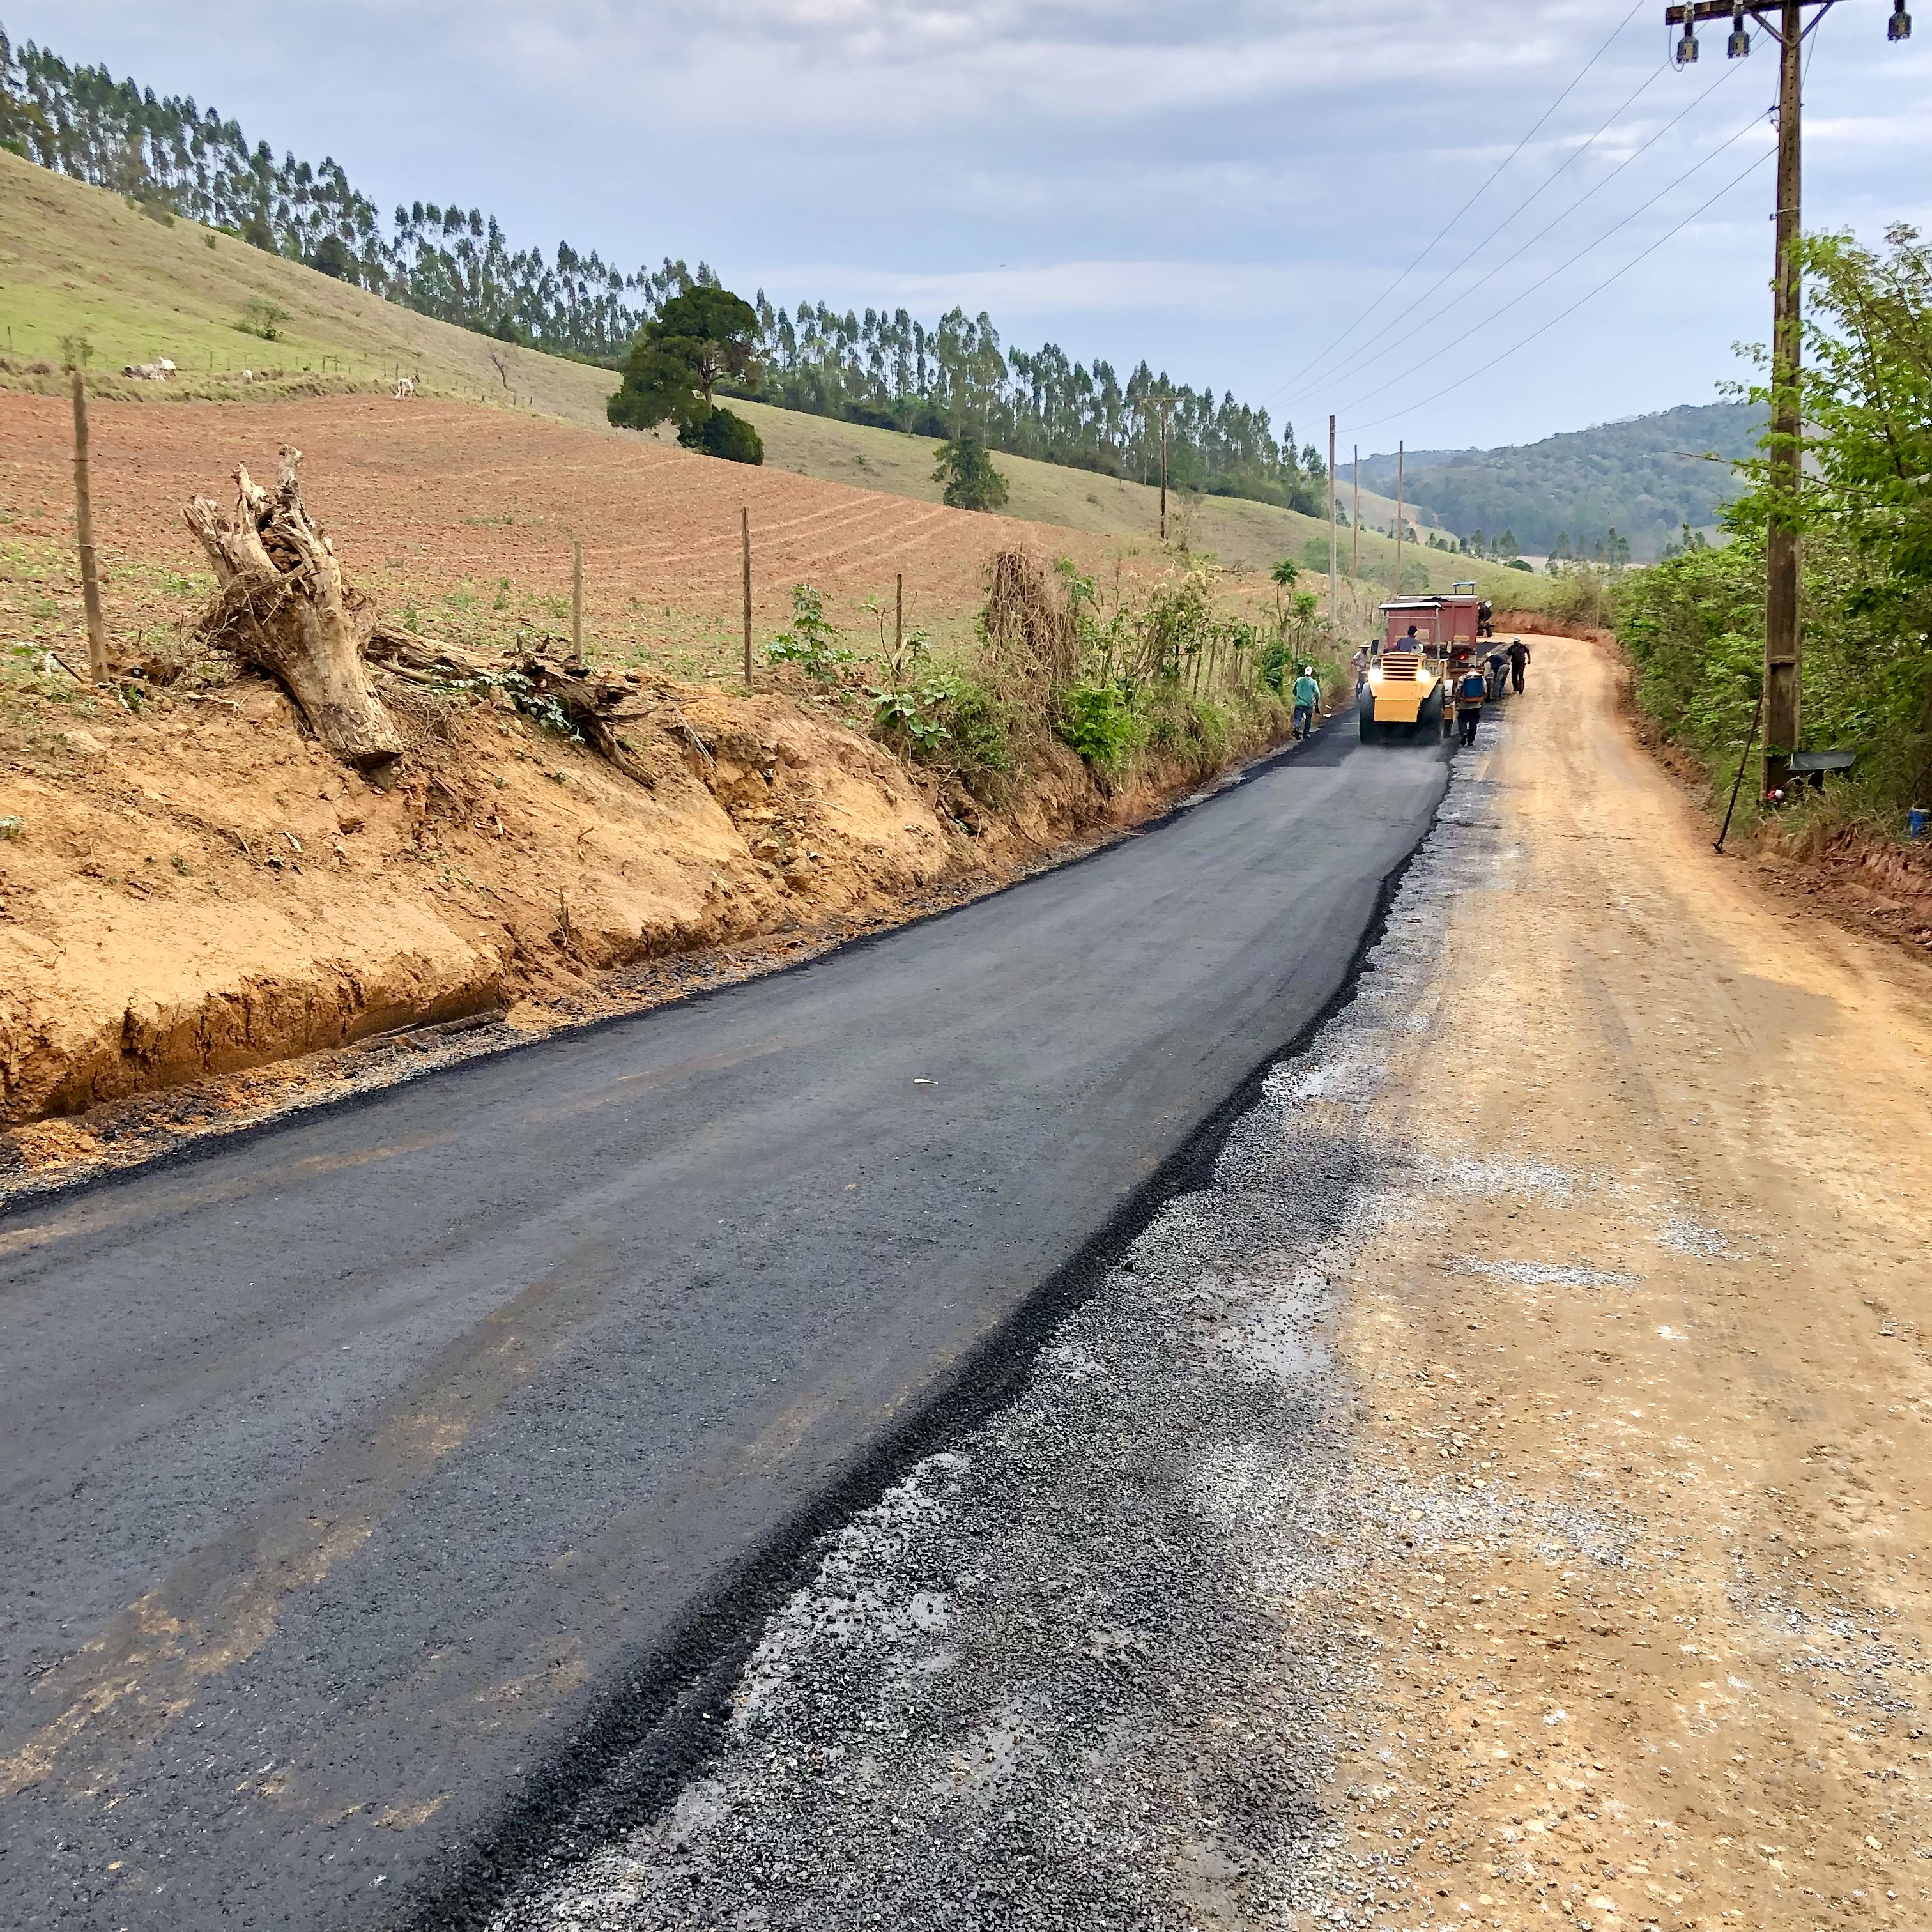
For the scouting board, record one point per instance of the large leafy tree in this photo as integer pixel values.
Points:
(1695, 624)
(697, 340)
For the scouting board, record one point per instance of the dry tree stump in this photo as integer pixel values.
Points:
(282, 605)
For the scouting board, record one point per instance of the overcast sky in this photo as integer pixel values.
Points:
(1221, 186)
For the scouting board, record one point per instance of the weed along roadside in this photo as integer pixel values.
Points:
(214, 872)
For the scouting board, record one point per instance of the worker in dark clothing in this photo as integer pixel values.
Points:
(1518, 656)
(1486, 619)
(1497, 664)
(1471, 689)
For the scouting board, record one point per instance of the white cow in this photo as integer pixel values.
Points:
(406, 389)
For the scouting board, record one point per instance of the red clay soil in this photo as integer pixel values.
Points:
(422, 495)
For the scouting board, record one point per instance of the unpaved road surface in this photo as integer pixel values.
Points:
(1492, 1494)
(387, 1492)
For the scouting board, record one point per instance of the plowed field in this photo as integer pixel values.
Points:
(467, 515)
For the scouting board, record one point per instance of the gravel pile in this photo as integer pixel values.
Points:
(1074, 1671)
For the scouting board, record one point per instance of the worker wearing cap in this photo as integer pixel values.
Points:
(1307, 703)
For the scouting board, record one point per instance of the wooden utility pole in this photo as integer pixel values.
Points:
(1789, 24)
(1165, 408)
(1355, 518)
(1334, 541)
(1782, 675)
(577, 598)
(898, 618)
(83, 510)
(744, 521)
(1400, 515)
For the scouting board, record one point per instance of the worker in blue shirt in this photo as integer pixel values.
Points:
(1307, 703)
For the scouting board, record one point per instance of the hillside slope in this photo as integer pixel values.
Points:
(77, 261)
(1646, 476)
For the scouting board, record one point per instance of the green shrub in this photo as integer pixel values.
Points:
(719, 433)
(262, 317)
(966, 469)
(1098, 721)
(812, 642)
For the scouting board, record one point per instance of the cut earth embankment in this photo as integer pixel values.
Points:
(189, 885)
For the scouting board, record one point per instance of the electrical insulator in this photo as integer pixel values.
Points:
(1899, 27)
(1687, 48)
(1739, 44)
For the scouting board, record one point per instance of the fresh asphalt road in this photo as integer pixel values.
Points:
(350, 1473)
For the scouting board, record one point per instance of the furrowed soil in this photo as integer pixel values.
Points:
(465, 517)
(190, 886)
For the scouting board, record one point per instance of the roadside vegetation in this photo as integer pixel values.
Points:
(1165, 681)
(1694, 625)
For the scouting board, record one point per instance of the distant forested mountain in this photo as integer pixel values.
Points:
(1644, 477)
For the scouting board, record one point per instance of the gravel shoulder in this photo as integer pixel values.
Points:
(1490, 1492)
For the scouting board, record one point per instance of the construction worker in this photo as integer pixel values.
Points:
(1307, 703)
(1470, 688)
(1497, 665)
(1518, 655)
(1361, 662)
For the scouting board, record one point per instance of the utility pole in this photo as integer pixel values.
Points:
(1166, 408)
(1794, 21)
(577, 598)
(1355, 516)
(1401, 516)
(83, 519)
(1334, 541)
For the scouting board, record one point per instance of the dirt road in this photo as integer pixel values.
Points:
(1669, 1261)
(1494, 1496)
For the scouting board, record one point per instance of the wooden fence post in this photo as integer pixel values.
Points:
(744, 521)
(577, 598)
(83, 497)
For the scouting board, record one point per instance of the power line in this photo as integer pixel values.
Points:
(1589, 248)
(1354, 359)
(1350, 328)
(1359, 360)
(1581, 300)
